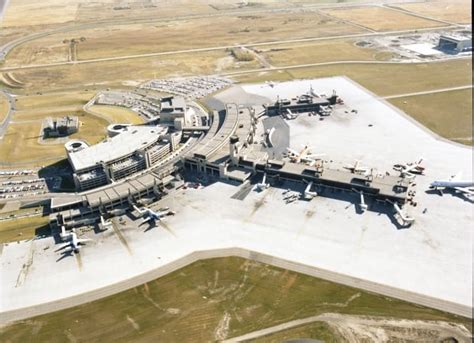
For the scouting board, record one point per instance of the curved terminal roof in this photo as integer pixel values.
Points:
(123, 144)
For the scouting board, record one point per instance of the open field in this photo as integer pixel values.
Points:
(23, 228)
(212, 300)
(449, 113)
(458, 11)
(21, 146)
(3, 107)
(117, 114)
(37, 107)
(124, 40)
(380, 19)
(317, 330)
(139, 69)
(382, 79)
(335, 50)
(333, 327)
(30, 13)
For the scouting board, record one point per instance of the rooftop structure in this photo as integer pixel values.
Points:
(309, 102)
(58, 127)
(129, 150)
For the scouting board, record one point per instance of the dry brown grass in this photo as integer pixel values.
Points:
(449, 113)
(117, 114)
(382, 79)
(335, 50)
(30, 13)
(458, 11)
(20, 144)
(93, 75)
(4, 106)
(124, 40)
(23, 228)
(381, 19)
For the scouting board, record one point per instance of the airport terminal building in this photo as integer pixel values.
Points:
(130, 150)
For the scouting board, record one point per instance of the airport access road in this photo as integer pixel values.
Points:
(216, 48)
(440, 90)
(6, 48)
(11, 110)
(359, 327)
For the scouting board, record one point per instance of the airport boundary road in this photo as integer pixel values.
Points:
(6, 48)
(441, 90)
(8, 117)
(27, 312)
(216, 48)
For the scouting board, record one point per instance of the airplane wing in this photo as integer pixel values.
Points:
(147, 219)
(468, 191)
(83, 240)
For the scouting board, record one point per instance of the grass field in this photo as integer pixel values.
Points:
(117, 114)
(334, 50)
(382, 79)
(124, 40)
(23, 228)
(449, 113)
(3, 107)
(208, 301)
(113, 73)
(21, 146)
(318, 330)
(380, 19)
(457, 11)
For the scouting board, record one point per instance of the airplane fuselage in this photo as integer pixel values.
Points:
(452, 184)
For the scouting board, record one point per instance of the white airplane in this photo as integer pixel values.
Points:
(303, 155)
(261, 186)
(356, 168)
(153, 216)
(74, 243)
(289, 114)
(455, 183)
(410, 169)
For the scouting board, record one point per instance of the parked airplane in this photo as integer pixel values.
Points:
(455, 183)
(410, 169)
(153, 216)
(261, 186)
(356, 168)
(74, 243)
(303, 155)
(289, 114)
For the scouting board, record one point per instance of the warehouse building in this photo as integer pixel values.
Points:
(455, 43)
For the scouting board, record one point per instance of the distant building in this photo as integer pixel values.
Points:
(60, 127)
(455, 43)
